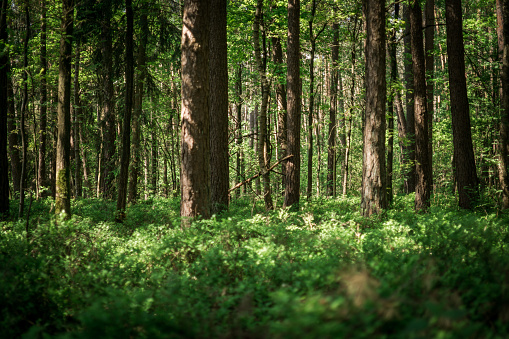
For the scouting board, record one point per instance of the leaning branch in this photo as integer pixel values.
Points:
(247, 181)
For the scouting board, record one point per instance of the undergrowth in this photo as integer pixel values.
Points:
(320, 272)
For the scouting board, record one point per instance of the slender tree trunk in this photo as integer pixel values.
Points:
(154, 146)
(294, 92)
(195, 164)
(429, 46)
(41, 174)
(464, 162)
(263, 137)
(331, 136)
(62, 171)
(4, 79)
(24, 104)
(78, 112)
(126, 129)
(108, 133)
(374, 193)
(277, 58)
(138, 108)
(503, 146)
(238, 124)
(409, 152)
(219, 171)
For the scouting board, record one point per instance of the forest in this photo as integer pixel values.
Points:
(254, 168)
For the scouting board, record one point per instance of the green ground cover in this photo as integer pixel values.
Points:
(321, 272)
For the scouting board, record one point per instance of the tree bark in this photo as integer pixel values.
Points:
(195, 155)
(263, 137)
(4, 79)
(429, 47)
(126, 129)
(464, 162)
(63, 187)
(141, 75)
(374, 193)
(78, 111)
(422, 165)
(41, 168)
(24, 104)
(331, 136)
(294, 93)
(503, 146)
(238, 124)
(219, 170)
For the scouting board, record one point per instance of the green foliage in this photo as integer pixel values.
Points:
(323, 271)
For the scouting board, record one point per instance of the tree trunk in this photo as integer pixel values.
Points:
(238, 125)
(464, 162)
(263, 137)
(108, 132)
(41, 173)
(429, 47)
(138, 108)
(409, 152)
(331, 136)
(24, 104)
(294, 92)
(374, 193)
(78, 111)
(4, 79)
(503, 146)
(195, 155)
(126, 129)
(219, 170)
(62, 171)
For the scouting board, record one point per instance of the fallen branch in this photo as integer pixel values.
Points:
(247, 181)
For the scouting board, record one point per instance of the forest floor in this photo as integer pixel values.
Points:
(321, 272)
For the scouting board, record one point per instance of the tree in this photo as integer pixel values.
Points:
(63, 187)
(464, 162)
(422, 164)
(503, 146)
(219, 171)
(331, 136)
(374, 193)
(294, 92)
(4, 59)
(263, 138)
(41, 174)
(126, 130)
(195, 155)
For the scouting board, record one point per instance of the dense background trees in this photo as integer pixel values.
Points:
(258, 108)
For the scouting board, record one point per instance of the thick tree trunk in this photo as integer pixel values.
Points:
(374, 193)
(137, 108)
(422, 165)
(195, 155)
(464, 162)
(263, 137)
(4, 79)
(62, 171)
(219, 170)
(126, 129)
(294, 93)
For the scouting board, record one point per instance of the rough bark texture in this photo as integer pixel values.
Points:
(41, 168)
(409, 149)
(294, 93)
(422, 165)
(263, 137)
(137, 109)
(63, 188)
(503, 147)
(195, 155)
(464, 162)
(108, 133)
(219, 170)
(374, 193)
(4, 164)
(126, 129)
(331, 135)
